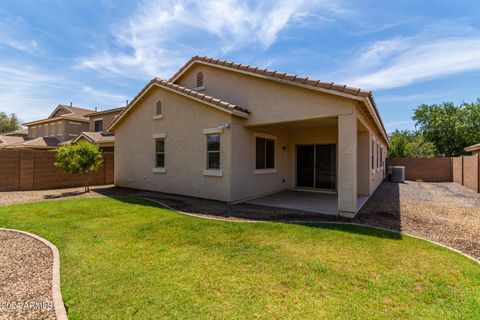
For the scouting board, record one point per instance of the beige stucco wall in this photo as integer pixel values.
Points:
(269, 101)
(62, 129)
(183, 123)
(274, 107)
(106, 117)
(363, 163)
(246, 183)
(377, 173)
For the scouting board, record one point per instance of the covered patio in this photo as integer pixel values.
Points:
(325, 165)
(310, 201)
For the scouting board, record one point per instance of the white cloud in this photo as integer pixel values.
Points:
(161, 35)
(26, 92)
(12, 35)
(418, 97)
(399, 62)
(104, 97)
(406, 124)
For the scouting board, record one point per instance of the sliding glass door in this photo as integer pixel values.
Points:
(316, 166)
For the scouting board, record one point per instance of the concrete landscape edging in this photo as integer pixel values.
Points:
(59, 307)
(312, 222)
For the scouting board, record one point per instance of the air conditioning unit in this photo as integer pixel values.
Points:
(396, 173)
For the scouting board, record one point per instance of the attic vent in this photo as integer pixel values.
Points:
(199, 79)
(158, 110)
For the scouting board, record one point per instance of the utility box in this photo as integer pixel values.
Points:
(396, 173)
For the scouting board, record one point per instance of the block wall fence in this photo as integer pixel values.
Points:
(22, 170)
(463, 170)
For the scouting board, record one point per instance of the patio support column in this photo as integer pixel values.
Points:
(347, 164)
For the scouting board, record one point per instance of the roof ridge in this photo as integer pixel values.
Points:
(274, 74)
(343, 88)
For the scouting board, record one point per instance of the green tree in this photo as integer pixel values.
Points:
(406, 143)
(419, 147)
(8, 122)
(399, 139)
(80, 158)
(450, 128)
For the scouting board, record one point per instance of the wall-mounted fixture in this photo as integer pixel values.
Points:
(223, 126)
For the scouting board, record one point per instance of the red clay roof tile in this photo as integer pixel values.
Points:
(293, 78)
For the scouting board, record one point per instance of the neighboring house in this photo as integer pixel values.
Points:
(98, 123)
(23, 132)
(16, 136)
(100, 120)
(474, 149)
(104, 140)
(230, 132)
(36, 143)
(8, 140)
(63, 124)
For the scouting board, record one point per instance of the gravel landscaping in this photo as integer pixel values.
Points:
(25, 278)
(443, 212)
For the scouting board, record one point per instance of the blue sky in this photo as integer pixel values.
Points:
(101, 53)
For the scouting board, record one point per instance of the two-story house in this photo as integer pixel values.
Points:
(65, 123)
(99, 121)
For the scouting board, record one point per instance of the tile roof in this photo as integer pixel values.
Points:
(472, 147)
(41, 142)
(7, 140)
(104, 111)
(22, 131)
(221, 104)
(96, 137)
(276, 75)
(75, 113)
(76, 110)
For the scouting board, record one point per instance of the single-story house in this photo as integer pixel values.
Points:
(474, 149)
(232, 132)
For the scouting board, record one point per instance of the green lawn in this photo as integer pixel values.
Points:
(130, 259)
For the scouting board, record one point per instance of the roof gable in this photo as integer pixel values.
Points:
(358, 94)
(59, 111)
(191, 94)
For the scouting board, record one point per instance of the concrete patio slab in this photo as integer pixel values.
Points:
(317, 202)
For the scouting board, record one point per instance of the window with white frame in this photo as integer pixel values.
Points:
(264, 153)
(213, 151)
(160, 153)
(98, 125)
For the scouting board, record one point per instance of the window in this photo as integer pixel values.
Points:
(381, 156)
(378, 155)
(158, 108)
(373, 154)
(213, 151)
(98, 124)
(160, 153)
(199, 79)
(264, 153)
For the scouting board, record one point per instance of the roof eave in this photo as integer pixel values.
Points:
(91, 114)
(371, 104)
(152, 83)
